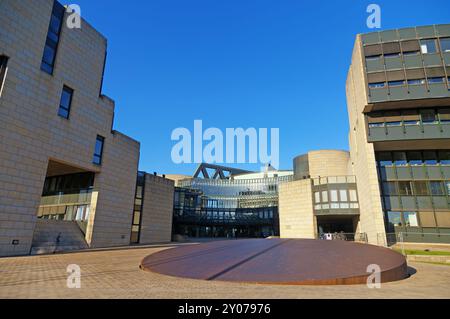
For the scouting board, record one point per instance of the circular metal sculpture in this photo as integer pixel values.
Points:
(279, 261)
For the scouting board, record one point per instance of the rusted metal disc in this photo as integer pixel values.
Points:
(279, 261)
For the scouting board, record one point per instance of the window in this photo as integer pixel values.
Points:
(445, 44)
(317, 197)
(384, 159)
(414, 158)
(334, 195)
(51, 43)
(98, 152)
(325, 196)
(353, 195)
(444, 157)
(377, 85)
(411, 219)
(430, 158)
(65, 103)
(447, 185)
(420, 188)
(437, 188)
(373, 57)
(400, 159)
(392, 55)
(343, 195)
(405, 188)
(396, 83)
(428, 117)
(428, 46)
(389, 189)
(3, 65)
(395, 219)
(416, 82)
(435, 80)
(406, 53)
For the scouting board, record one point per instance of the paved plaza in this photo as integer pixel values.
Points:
(116, 274)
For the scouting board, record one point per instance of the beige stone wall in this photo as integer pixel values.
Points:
(362, 153)
(296, 212)
(328, 163)
(157, 211)
(32, 133)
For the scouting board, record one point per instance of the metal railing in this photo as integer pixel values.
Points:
(355, 237)
(413, 238)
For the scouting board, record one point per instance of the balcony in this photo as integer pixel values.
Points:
(402, 132)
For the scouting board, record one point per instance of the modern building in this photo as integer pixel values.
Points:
(398, 98)
(228, 203)
(67, 178)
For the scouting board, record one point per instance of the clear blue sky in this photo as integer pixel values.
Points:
(237, 63)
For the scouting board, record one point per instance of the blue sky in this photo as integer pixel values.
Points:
(237, 63)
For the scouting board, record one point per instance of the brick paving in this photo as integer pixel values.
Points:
(116, 274)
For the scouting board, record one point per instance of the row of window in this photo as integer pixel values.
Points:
(416, 188)
(431, 80)
(426, 46)
(418, 219)
(409, 117)
(431, 157)
(334, 195)
(68, 213)
(68, 184)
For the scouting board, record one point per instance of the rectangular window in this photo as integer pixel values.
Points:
(3, 65)
(396, 83)
(416, 82)
(430, 158)
(405, 188)
(325, 197)
(437, 188)
(435, 80)
(447, 186)
(414, 158)
(411, 219)
(343, 195)
(420, 188)
(400, 159)
(353, 195)
(334, 195)
(445, 44)
(395, 219)
(384, 159)
(444, 157)
(317, 197)
(389, 189)
(52, 41)
(65, 103)
(377, 85)
(98, 152)
(428, 117)
(428, 46)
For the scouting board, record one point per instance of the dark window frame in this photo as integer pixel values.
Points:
(3, 69)
(98, 157)
(64, 108)
(53, 38)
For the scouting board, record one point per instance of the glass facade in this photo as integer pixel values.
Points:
(229, 208)
(415, 190)
(67, 197)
